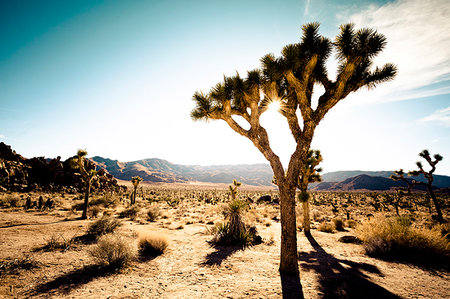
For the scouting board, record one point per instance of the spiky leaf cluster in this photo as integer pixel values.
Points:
(291, 77)
(310, 173)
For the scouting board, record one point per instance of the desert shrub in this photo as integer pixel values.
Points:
(107, 200)
(77, 206)
(56, 242)
(326, 227)
(338, 224)
(316, 216)
(104, 225)
(10, 201)
(113, 251)
(152, 243)
(235, 232)
(233, 212)
(130, 212)
(17, 264)
(351, 223)
(224, 236)
(94, 211)
(153, 213)
(396, 238)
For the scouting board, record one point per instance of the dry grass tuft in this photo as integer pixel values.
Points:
(338, 224)
(397, 238)
(104, 225)
(153, 213)
(326, 227)
(114, 251)
(131, 213)
(152, 243)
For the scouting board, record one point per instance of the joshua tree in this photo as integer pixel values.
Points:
(309, 174)
(289, 80)
(400, 175)
(88, 176)
(233, 189)
(135, 180)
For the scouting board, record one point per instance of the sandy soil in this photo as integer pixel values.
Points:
(191, 268)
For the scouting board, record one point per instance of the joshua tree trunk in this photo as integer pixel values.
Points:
(133, 197)
(306, 220)
(289, 258)
(86, 198)
(436, 203)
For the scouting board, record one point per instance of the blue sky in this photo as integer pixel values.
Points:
(117, 77)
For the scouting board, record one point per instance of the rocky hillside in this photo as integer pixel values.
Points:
(360, 182)
(21, 174)
(440, 181)
(158, 170)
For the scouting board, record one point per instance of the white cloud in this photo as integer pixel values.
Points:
(306, 12)
(2, 136)
(418, 42)
(442, 116)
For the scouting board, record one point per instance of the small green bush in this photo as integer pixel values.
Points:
(114, 251)
(104, 225)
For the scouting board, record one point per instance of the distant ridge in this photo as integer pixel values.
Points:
(159, 170)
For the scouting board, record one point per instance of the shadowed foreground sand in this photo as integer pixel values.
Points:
(191, 268)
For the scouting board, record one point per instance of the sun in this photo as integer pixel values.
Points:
(274, 106)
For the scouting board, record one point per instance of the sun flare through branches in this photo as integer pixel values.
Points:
(274, 106)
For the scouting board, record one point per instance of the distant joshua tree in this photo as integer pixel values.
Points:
(135, 180)
(309, 174)
(400, 175)
(88, 176)
(234, 189)
(289, 80)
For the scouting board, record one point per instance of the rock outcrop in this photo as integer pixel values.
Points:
(20, 174)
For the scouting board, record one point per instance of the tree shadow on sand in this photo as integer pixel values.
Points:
(220, 254)
(340, 278)
(73, 279)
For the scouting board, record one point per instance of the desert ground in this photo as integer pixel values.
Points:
(191, 266)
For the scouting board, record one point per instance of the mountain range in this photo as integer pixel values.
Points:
(158, 170)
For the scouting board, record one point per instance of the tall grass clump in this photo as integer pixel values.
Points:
(396, 238)
(114, 251)
(103, 226)
(152, 243)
